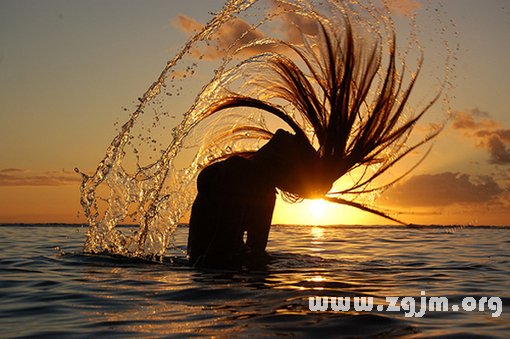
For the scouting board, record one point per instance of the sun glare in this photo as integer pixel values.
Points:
(315, 212)
(317, 208)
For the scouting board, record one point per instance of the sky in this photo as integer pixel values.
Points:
(69, 68)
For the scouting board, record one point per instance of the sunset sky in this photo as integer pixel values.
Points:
(67, 69)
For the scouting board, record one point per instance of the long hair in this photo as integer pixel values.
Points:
(353, 104)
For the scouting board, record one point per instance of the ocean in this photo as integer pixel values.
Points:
(49, 288)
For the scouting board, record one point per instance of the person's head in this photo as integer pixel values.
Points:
(293, 164)
(340, 93)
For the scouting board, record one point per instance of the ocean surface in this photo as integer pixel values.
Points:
(48, 287)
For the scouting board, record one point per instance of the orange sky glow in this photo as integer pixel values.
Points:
(68, 70)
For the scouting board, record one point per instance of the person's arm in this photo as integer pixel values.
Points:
(259, 221)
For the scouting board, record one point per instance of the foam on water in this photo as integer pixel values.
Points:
(147, 176)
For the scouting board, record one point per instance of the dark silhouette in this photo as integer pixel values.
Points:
(237, 195)
(344, 101)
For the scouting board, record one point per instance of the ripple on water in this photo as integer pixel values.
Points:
(71, 294)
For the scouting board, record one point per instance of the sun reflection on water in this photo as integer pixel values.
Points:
(317, 234)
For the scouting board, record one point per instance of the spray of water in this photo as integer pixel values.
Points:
(147, 177)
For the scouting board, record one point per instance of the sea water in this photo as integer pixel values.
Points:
(48, 287)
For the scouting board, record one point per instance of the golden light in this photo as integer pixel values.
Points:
(317, 208)
(317, 233)
(316, 278)
(315, 213)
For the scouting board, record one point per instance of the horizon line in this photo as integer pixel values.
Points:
(411, 226)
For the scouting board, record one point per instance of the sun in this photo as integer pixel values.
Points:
(317, 208)
(314, 212)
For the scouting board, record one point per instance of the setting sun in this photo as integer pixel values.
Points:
(317, 208)
(316, 212)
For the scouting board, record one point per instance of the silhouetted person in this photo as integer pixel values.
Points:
(237, 195)
(348, 94)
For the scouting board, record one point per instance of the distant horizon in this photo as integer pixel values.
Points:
(410, 226)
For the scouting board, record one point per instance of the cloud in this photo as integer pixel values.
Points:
(237, 32)
(186, 24)
(443, 189)
(293, 24)
(23, 177)
(487, 133)
(231, 35)
(14, 170)
(473, 120)
(499, 152)
(404, 7)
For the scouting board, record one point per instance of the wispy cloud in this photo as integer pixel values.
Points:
(14, 170)
(443, 189)
(24, 177)
(230, 36)
(293, 25)
(404, 7)
(187, 24)
(487, 133)
(238, 32)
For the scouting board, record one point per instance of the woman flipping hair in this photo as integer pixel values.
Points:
(237, 195)
(354, 108)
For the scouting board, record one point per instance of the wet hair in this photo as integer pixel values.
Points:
(354, 105)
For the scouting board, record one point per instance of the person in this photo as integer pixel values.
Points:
(352, 105)
(237, 196)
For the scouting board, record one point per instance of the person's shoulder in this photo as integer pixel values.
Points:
(283, 136)
(281, 133)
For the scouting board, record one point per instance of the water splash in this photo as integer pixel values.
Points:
(147, 176)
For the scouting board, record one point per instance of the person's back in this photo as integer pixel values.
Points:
(237, 195)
